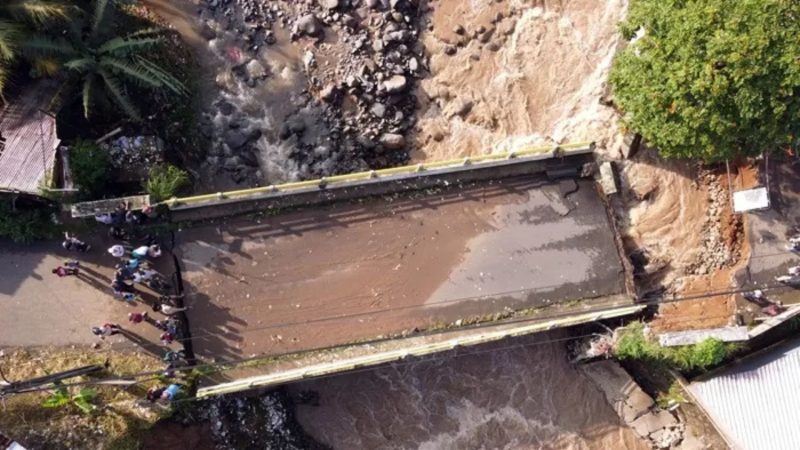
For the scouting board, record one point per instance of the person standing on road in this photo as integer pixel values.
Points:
(107, 329)
(140, 252)
(62, 271)
(137, 317)
(167, 309)
(71, 243)
(117, 251)
(167, 338)
(171, 392)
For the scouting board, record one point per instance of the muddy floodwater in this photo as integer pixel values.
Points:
(517, 394)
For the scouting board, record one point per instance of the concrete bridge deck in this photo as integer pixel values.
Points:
(350, 271)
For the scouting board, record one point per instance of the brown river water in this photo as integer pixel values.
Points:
(517, 394)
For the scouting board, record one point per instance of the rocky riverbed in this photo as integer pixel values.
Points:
(302, 89)
(306, 89)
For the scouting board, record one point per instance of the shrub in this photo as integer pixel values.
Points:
(90, 167)
(164, 181)
(632, 344)
(26, 225)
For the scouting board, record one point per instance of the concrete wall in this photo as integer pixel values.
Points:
(565, 164)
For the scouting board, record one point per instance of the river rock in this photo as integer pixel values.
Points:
(378, 110)
(392, 141)
(413, 64)
(395, 84)
(308, 25)
(225, 107)
(232, 163)
(329, 4)
(248, 157)
(328, 93)
(236, 139)
(255, 70)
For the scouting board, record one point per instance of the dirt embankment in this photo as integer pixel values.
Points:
(684, 239)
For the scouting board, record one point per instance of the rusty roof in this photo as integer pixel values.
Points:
(29, 140)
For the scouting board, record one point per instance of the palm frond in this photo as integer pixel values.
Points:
(38, 12)
(9, 35)
(172, 83)
(80, 64)
(144, 32)
(40, 46)
(88, 89)
(100, 13)
(124, 46)
(3, 81)
(118, 94)
(132, 71)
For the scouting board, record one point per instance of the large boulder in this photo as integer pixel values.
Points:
(392, 141)
(395, 84)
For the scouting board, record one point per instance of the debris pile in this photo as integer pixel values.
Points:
(716, 251)
(134, 156)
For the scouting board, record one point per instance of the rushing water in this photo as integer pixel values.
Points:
(518, 394)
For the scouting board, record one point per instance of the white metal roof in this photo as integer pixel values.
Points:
(754, 402)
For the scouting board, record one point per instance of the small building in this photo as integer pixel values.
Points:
(28, 139)
(753, 403)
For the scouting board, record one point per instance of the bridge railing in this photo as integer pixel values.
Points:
(324, 182)
(428, 168)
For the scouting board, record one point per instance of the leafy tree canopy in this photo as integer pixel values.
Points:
(711, 79)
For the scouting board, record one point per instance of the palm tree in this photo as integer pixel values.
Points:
(100, 63)
(17, 19)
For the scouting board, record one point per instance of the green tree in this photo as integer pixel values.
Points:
(164, 181)
(711, 79)
(18, 19)
(101, 62)
(90, 165)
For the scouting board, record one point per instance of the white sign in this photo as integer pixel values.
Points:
(751, 199)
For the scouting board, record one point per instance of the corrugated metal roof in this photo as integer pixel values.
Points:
(30, 142)
(754, 402)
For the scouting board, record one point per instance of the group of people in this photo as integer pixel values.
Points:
(134, 267)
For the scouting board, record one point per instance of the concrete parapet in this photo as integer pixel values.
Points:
(558, 162)
(400, 349)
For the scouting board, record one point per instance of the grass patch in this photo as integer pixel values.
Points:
(119, 415)
(633, 344)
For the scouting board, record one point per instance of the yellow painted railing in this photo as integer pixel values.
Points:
(372, 174)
